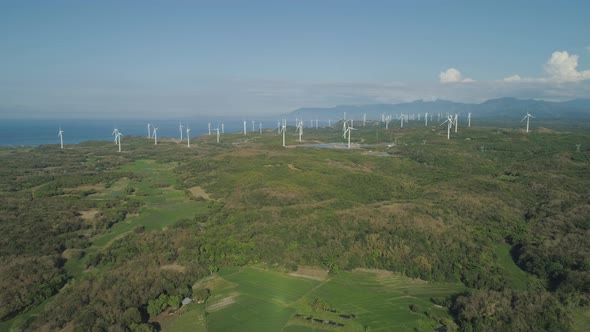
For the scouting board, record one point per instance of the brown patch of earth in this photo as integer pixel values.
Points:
(224, 302)
(97, 187)
(88, 215)
(310, 272)
(291, 166)
(197, 191)
(173, 267)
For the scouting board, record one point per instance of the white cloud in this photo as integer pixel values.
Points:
(452, 75)
(513, 78)
(562, 67)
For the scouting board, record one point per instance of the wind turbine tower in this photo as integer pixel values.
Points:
(61, 137)
(348, 131)
(118, 138)
(245, 128)
(149, 131)
(426, 120)
(300, 128)
(188, 136)
(115, 131)
(180, 129)
(456, 121)
(284, 129)
(527, 117)
(364, 119)
(217, 130)
(209, 127)
(155, 135)
(469, 120)
(449, 122)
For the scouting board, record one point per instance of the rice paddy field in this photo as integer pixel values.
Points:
(257, 298)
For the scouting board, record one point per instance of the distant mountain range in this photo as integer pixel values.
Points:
(493, 108)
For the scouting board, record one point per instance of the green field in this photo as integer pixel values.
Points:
(259, 299)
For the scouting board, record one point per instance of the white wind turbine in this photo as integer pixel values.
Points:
(61, 137)
(115, 131)
(118, 138)
(188, 136)
(149, 131)
(300, 128)
(449, 122)
(180, 129)
(284, 130)
(364, 119)
(347, 131)
(426, 120)
(279, 127)
(245, 127)
(155, 135)
(469, 120)
(217, 130)
(222, 128)
(456, 121)
(209, 128)
(401, 120)
(260, 127)
(527, 117)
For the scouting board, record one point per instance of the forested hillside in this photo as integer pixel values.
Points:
(99, 240)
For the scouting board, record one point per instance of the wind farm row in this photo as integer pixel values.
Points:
(348, 126)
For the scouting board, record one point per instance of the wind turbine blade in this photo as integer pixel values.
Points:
(524, 118)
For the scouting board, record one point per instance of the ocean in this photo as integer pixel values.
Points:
(28, 132)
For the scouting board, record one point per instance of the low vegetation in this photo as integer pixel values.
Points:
(486, 231)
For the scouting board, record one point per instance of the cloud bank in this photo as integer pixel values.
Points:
(561, 67)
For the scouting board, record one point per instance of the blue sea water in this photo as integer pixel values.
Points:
(33, 132)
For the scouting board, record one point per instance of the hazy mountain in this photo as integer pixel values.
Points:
(493, 108)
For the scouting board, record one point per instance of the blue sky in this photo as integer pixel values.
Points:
(152, 58)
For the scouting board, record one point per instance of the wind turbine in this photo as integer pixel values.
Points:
(279, 127)
(61, 137)
(217, 130)
(252, 125)
(527, 117)
(149, 131)
(449, 122)
(468, 120)
(188, 136)
(222, 128)
(118, 138)
(180, 129)
(426, 120)
(155, 135)
(364, 119)
(209, 127)
(347, 131)
(456, 121)
(245, 127)
(260, 127)
(284, 129)
(300, 128)
(401, 120)
(115, 131)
